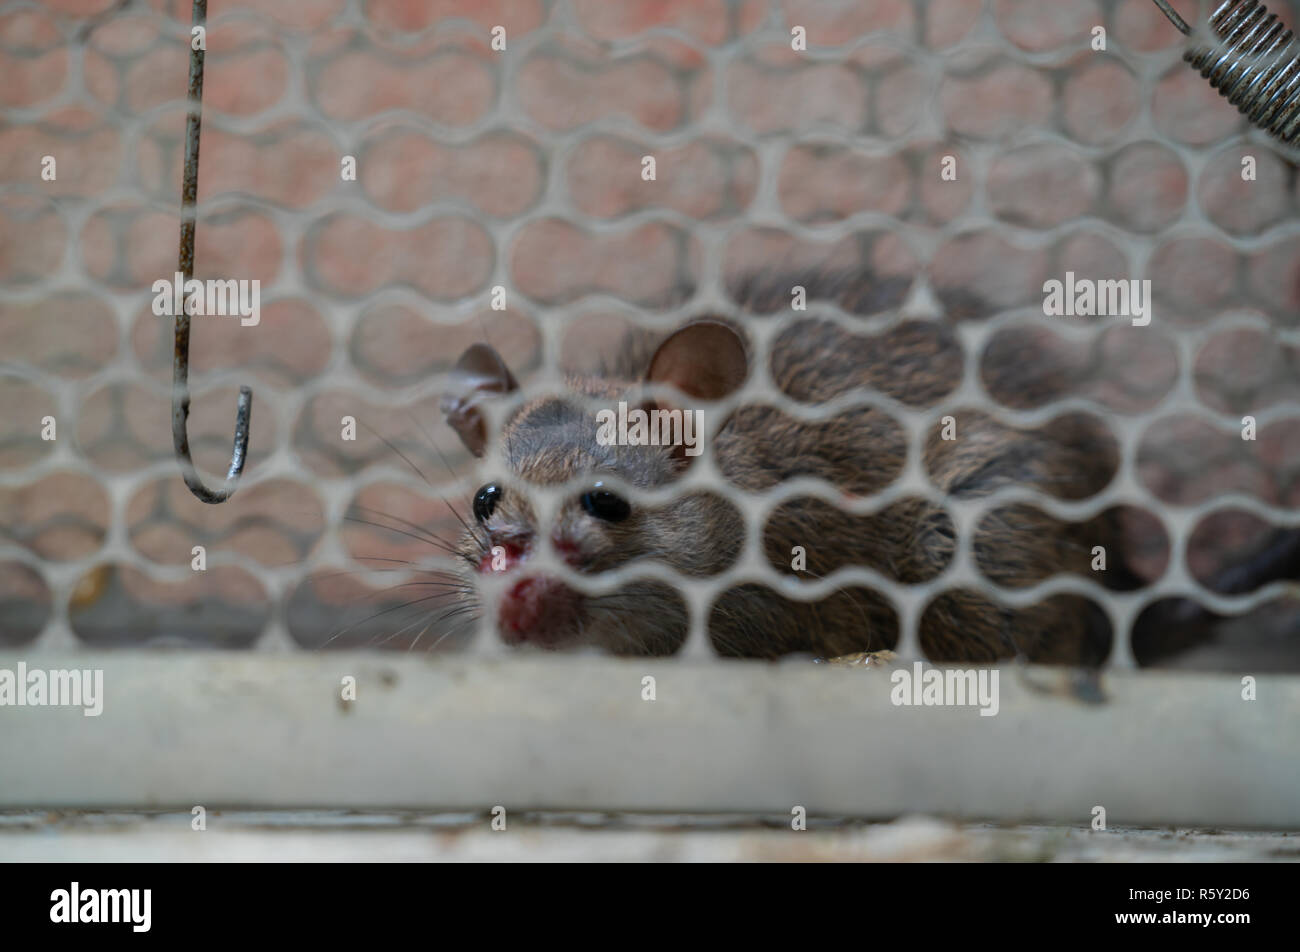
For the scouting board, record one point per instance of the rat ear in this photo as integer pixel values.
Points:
(479, 372)
(705, 359)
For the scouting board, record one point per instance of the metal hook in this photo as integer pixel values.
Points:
(181, 352)
(1173, 16)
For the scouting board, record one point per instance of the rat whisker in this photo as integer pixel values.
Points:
(435, 543)
(412, 568)
(385, 611)
(433, 444)
(383, 439)
(420, 473)
(355, 574)
(423, 571)
(428, 533)
(423, 632)
(454, 629)
(448, 614)
(391, 635)
(451, 613)
(454, 511)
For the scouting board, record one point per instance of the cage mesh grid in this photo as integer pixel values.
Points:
(286, 406)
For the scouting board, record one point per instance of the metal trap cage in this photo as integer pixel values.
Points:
(403, 184)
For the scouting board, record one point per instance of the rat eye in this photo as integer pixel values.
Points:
(485, 501)
(603, 504)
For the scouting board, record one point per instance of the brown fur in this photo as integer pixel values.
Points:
(860, 451)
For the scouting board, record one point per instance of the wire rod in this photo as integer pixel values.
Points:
(181, 352)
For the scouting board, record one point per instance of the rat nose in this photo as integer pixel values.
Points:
(538, 609)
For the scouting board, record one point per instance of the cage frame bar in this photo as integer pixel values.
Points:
(236, 731)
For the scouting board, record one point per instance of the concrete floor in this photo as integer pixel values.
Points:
(76, 836)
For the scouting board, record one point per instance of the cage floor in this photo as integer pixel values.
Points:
(331, 836)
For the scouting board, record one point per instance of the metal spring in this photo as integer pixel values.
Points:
(1253, 61)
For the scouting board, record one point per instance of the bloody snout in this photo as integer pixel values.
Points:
(538, 609)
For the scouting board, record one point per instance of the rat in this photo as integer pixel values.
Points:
(550, 440)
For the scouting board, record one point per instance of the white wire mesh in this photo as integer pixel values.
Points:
(279, 409)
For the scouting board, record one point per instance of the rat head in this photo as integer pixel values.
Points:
(598, 523)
